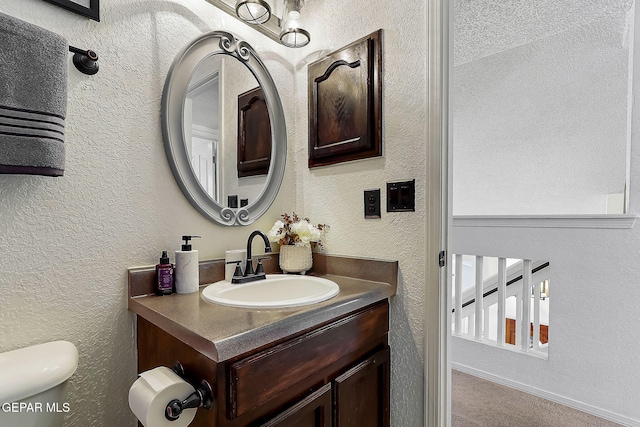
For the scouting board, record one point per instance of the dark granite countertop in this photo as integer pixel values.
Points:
(221, 332)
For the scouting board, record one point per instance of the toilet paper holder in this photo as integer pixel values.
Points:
(202, 397)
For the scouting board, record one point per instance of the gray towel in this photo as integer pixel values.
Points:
(33, 98)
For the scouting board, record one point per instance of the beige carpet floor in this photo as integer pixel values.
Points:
(479, 403)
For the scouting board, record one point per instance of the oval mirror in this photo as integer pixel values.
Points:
(224, 129)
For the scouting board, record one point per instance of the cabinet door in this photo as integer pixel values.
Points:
(313, 411)
(361, 395)
(254, 134)
(345, 103)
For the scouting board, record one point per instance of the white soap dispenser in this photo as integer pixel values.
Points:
(187, 276)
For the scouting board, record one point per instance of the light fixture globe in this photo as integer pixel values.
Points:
(293, 34)
(295, 37)
(253, 11)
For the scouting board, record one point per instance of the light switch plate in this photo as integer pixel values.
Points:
(401, 196)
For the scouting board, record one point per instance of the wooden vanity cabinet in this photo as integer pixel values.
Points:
(335, 374)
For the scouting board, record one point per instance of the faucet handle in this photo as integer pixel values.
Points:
(260, 267)
(238, 271)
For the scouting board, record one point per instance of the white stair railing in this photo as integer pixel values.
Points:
(481, 310)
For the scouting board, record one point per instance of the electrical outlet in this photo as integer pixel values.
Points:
(372, 204)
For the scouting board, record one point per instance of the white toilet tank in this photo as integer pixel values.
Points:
(32, 382)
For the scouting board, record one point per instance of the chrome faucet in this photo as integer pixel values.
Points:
(249, 275)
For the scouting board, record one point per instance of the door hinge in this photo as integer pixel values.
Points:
(441, 258)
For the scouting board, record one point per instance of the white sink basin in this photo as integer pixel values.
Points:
(277, 291)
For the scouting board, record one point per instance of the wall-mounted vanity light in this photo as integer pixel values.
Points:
(292, 33)
(253, 11)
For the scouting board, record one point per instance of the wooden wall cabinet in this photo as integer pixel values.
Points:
(345, 103)
(335, 374)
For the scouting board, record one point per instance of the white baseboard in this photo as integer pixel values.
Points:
(580, 406)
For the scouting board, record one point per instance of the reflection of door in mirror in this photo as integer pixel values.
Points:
(202, 112)
(236, 79)
(211, 128)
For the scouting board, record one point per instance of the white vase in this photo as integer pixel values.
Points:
(295, 259)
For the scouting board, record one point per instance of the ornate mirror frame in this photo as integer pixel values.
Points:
(173, 132)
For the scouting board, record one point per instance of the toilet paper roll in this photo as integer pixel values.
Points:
(234, 255)
(150, 394)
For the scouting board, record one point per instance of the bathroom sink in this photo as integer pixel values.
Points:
(276, 291)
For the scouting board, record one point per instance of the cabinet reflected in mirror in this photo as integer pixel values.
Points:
(227, 132)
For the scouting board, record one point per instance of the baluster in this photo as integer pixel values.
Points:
(518, 318)
(526, 305)
(458, 297)
(502, 290)
(536, 316)
(479, 299)
(487, 322)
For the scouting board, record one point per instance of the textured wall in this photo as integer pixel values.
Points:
(593, 273)
(334, 194)
(540, 100)
(67, 242)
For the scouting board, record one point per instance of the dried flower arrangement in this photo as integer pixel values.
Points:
(295, 230)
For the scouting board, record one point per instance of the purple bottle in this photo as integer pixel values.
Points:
(164, 275)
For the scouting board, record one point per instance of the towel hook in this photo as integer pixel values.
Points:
(86, 61)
